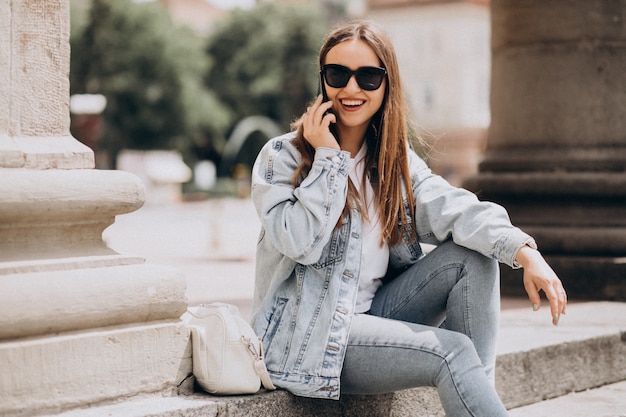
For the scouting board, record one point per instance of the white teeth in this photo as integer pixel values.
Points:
(352, 102)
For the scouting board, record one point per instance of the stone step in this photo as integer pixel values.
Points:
(536, 362)
(607, 401)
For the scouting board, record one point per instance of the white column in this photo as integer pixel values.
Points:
(79, 323)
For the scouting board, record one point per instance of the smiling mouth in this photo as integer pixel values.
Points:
(352, 103)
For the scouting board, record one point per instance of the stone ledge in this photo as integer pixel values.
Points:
(607, 401)
(33, 152)
(39, 303)
(64, 264)
(536, 362)
(77, 368)
(58, 213)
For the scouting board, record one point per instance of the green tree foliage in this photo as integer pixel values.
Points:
(263, 61)
(151, 73)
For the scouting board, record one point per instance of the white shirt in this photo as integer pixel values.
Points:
(374, 257)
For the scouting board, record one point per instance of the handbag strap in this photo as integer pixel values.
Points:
(259, 363)
(261, 370)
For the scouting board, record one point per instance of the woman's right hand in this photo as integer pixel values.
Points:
(316, 125)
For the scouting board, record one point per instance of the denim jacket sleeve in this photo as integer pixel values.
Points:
(444, 211)
(299, 220)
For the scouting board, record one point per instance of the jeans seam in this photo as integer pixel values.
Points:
(401, 346)
(456, 388)
(466, 309)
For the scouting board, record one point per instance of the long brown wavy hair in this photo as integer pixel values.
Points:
(387, 137)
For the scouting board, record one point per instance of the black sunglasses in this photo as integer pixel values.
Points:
(368, 78)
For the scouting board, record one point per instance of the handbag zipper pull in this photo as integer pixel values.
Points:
(251, 348)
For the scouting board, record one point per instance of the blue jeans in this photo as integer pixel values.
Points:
(433, 325)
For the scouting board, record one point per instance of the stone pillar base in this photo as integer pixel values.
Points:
(53, 373)
(584, 277)
(578, 220)
(80, 323)
(71, 299)
(568, 213)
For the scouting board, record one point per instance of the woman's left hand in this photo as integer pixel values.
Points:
(539, 276)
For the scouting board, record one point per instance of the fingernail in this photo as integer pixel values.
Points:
(555, 320)
(535, 307)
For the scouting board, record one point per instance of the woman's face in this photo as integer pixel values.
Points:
(354, 106)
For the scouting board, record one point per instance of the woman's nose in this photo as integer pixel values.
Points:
(352, 84)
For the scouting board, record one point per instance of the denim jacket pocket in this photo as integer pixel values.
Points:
(334, 250)
(408, 238)
(408, 251)
(273, 322)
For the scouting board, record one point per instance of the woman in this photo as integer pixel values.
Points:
(345, 300)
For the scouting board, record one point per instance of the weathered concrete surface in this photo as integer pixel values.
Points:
(88, 297)
(558, 73)
(608, 401)
(58, 372)
(34, 88)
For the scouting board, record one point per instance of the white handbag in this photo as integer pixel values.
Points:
(227, 354)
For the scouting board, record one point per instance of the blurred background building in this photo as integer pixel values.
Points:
(444, 55)
(442, 47)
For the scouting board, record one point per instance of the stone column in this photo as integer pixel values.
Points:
(556, 153)
(79, 323)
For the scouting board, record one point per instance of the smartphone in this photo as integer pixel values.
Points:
(323, 90)
(332, 127)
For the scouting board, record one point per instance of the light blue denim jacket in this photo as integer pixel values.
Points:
(307, 269)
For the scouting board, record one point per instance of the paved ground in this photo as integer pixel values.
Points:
(213, 242)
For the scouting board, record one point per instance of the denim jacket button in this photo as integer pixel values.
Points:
(333, 347)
